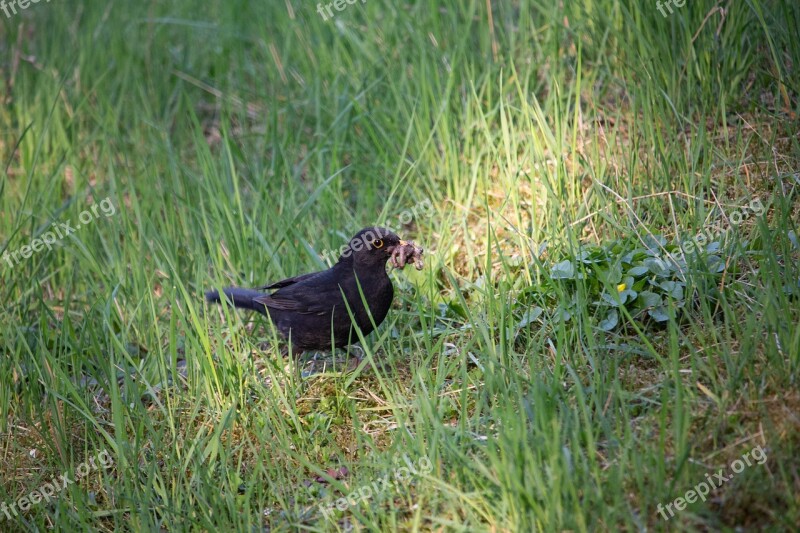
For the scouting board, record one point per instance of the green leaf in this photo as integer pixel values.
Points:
(529, 316)
(657, 266)
(458, 309)
(638, 271)
(610, 322)
(563, 270)
(649, 299)
(715, 264)
(654, 242)
(614, 300)
(628, 295)
(611, 276)
(562, 315)
(659, 314)
(674, 289)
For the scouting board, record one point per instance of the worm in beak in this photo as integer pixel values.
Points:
(406, 252)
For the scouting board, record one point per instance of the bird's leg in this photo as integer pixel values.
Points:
(358, 359)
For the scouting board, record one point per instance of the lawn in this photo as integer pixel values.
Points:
(604, 336)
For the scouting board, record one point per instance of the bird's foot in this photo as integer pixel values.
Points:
(324, 361)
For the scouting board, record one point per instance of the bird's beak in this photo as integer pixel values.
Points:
(390, 249)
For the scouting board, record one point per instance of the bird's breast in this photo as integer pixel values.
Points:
(378, 293)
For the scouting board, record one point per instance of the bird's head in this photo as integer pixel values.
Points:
(371, 247)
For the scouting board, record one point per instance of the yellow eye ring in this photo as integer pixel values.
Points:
(377, 243)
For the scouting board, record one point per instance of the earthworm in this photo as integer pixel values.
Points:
(410, 252)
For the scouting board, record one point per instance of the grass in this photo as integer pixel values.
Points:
(238, 141)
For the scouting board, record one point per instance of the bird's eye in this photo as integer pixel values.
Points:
(377, 243)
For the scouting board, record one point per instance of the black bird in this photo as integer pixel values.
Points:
(309, 310)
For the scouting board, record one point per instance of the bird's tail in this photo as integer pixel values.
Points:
(239, 297)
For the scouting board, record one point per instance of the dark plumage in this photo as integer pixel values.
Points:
(307, 309)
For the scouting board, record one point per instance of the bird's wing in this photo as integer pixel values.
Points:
(286, 282)
(283, 304)
(305, 295)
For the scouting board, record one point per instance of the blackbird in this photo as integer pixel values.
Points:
(309, 310)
